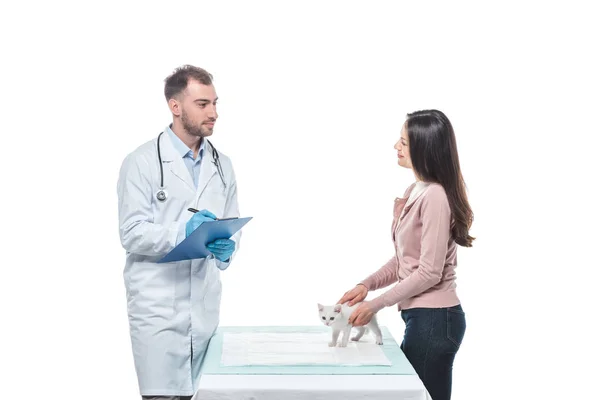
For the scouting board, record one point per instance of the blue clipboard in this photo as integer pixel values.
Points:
(194, 246)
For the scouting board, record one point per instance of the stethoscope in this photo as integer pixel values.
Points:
(161, 195)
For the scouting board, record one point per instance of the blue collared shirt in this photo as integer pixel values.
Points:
(192, 164)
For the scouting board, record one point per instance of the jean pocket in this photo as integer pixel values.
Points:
(456, 325)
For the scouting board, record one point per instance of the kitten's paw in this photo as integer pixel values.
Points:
(331, 344)
(355, 339)
(379, 341)
(343, 344)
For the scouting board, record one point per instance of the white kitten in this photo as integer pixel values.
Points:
(337, 316)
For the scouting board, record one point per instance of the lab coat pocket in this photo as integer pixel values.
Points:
(212, 297)
(152, 291)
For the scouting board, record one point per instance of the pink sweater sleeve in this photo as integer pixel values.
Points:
(383, 277)
(436, 216)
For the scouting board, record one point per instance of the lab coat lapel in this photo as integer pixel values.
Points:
(174, 160)
(208, 168)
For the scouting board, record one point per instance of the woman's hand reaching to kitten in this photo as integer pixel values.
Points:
(355, 295)
(362, 315)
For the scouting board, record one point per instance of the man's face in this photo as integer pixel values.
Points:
(198, 109)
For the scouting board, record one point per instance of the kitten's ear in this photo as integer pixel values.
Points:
(320, 306)
(337, 308)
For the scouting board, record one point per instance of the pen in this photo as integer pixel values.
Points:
(191, 209)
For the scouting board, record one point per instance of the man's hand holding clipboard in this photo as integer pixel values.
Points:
(206, 234)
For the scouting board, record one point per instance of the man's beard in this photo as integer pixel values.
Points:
(199, 131)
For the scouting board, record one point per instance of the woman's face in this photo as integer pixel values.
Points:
(402, 148)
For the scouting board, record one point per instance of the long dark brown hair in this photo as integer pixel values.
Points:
(434, 156)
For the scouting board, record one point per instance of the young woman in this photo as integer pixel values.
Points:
(429, 222)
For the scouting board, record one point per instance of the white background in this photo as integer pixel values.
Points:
(312, 99)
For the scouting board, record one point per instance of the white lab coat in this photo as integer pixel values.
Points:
(173, 307)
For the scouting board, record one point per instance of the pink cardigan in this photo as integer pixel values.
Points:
(423, 267)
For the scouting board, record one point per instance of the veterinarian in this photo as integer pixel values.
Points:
(429, 222)
(174, 307)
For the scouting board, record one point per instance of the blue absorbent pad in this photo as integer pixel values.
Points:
(212, 360)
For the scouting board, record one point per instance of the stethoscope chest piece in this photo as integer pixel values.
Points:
(161, 195)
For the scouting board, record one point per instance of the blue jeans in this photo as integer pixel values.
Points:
(431, 340)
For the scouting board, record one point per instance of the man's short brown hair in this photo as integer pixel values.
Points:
(179, 79)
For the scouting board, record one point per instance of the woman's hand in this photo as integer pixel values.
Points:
(362, 315)
(356, 295)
